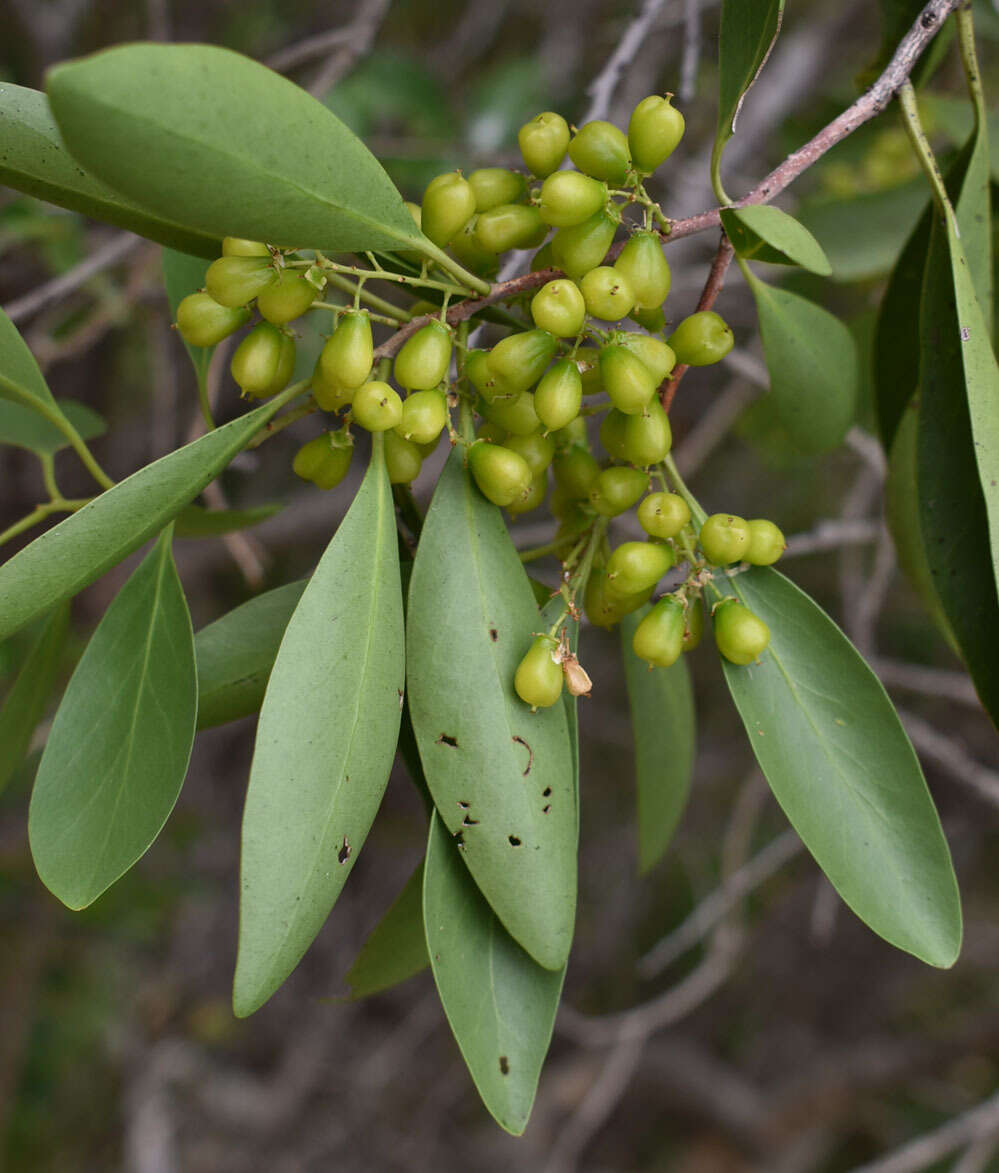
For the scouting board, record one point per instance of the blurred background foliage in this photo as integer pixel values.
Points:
(817, 1047)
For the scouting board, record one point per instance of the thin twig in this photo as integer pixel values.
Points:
(601, 89)
(833, 535)
(110, 253)
(935, 682)
(360, 36)
(973, 1125)
(951, 756)
(691, 49)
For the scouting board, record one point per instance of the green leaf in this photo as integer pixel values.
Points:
(325, 743)
(227, 147)
(749, 29)
(812, 360)
(23, 427)
(116, 757)
(842, 768)
(195, 522)
(663, 721)
(236, 653)
(34, 160)
(78, 550)
(397, 947)
(29, 694)
(183, 275)
(501, 776)
(21, 380)
(764, 233)
(499, 1002)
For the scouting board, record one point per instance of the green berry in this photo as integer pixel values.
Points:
(701, 339)
(653, 320)
(600, 149)
(345, 359)
(517, 415)
(559, 308)
(201, 321)
(740, 635)
(588, 361)
(329, 393)
(559, 395)
(654, 132)
(603, 606)
(536, 449)
(424, 416)
(467, 247)
(574, 431)
(519, 360)
(637, 566)
(424, 359)
(575, 470)
(501, 474)
(264, 361)
(647, 435)
(663, 515)
(538, 680)
(656, 355)
(607, 293)
(286, 298)
(235, 281)
(568, 198)
(479, 375)
(377, 406)
(612, 431)
(235, 246)
(617, 489)
(642, 262)
(694, 628)
(448, 205)
(403, 459)
(581, 248)
(324, 460)
(491, 432)
(509, 226)
(658, 638)
(494, 186)
(543, 142)
(628, 381)
(724, 538)
(534, 497)
(766, 543)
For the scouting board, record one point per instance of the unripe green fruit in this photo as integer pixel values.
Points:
(653, 320)
(658, 638)
(637, 566)
(236, 246)
(479, 375)
(642, 262)
(543, 143)
(663, 515)
(581, 248)
(694, 628)
(469, 251)
(538, 680)
(403, 459)
(510, 226)
(612, 434)
(574, 431)
(346, 357)
(264, 361)
(201, 321)
(491, 432)
(559, 395)
(448, 205)
(559, 308)
(517, 416)
(329, 393)
(724, 538)
(424, 416)
(656, 355)
(575, 471)
(519, 360)
(501, 474)
(324, 460)
(647, 436)
(411, 254)
(616, 489)
(654, 132)
(600, 149)
(534, 497)
(536, 449)
(424, 359)
(543, 259)
(607, 293)
(377, 406)
(740, 635)
(628, 381)
(286, 298)
(235, 281)
(701, 339)
(494, 186)
(603, 607)
(766, 543)
(568, 198)
(588, 361)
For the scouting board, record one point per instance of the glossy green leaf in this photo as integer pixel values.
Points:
(812, 360)
(663, 723)
(21, 380)
(78, 550)
(236, 653)
(501, 776)
(397, 946)
(183, 275)
(116, 757)
(748, 31)
(25, 703)
(34, 160)
(764, 233)
(499, 1002)
(23, 427)
(325, 743)
(227, 147)
(196, 522)
(842, 768)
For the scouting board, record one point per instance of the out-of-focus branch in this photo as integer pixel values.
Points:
(601, 89)
(951, 756)
(109, 253)
(358, 39)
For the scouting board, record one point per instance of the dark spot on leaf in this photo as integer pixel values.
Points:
(464, 805)
(547, 792)
(344, 853)
(493, 634)
(504, 1065)
(459, 838)
(445, 740)
(530, 754)
(546, 809)
(468, 821)
(514, 841)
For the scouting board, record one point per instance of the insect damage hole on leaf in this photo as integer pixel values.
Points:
(468, 821)
(514, 841)
(493, 634)
(530, 753)
(445, 740)
(504, 1065)
(344, 853)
